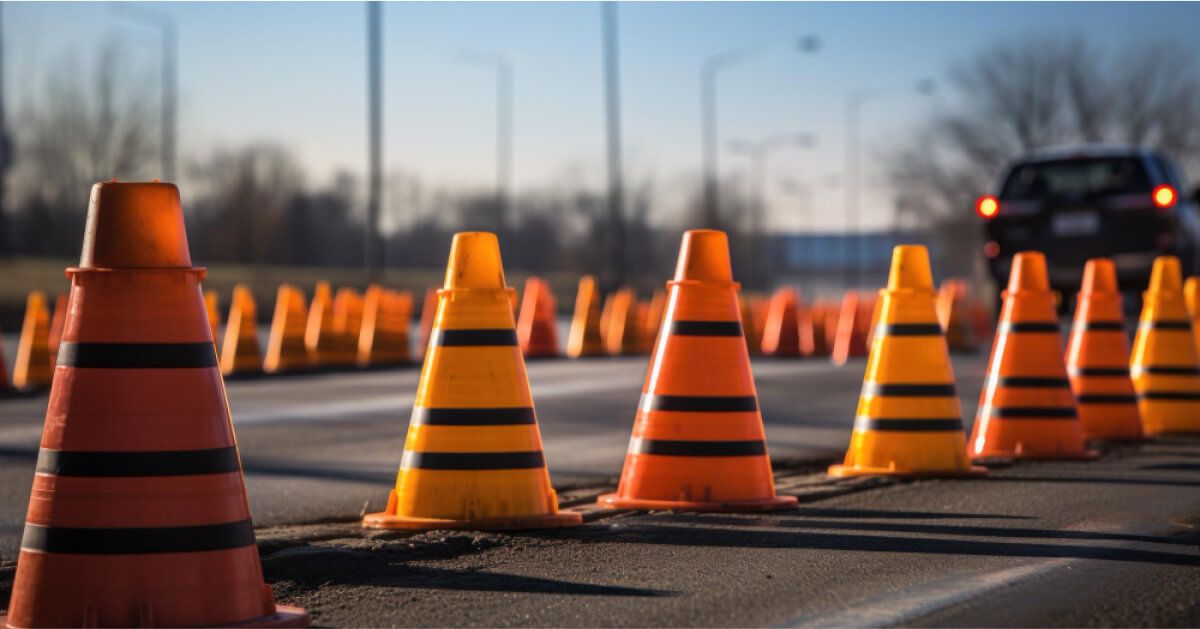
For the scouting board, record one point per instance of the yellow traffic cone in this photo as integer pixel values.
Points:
(1164, 365)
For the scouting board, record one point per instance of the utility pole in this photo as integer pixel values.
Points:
(168, 81)
(503, 67)
(612, 110)
(372, 247)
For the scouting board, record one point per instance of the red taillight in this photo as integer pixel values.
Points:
(1164, 196)
(991, 249)
(987, 206)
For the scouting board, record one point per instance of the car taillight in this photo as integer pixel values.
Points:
(987, 207)
(1164, 196)
(991, 249)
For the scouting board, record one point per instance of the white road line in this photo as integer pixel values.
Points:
(900, 607)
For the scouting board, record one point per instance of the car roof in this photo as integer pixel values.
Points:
(1058, 153)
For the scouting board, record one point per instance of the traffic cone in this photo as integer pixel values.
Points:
(347, 325)
(748, 307)
(34, 367)
(473, 458)
(138, 515)
(428, 312)
(584, 338)
(57, 319)
(1191, 295)
(537, 326)
(239, 348)
(621, 337)
(953, 315)
(851, 339)
(1026, 409)
(1164, 366)
(212, 306)
(909, 420)
(1098, 358)
(285, 346)
(781, 332)
(384, 337)
(319, 336)
(698, 442)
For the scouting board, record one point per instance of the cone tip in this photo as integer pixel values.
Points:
(704, 256)
(910, 268)
(474, 262)
(1099, 276)
(135, 225)
(1029, 272)
(1166, 276)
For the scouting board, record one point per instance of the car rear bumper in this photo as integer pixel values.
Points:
(1133, 271)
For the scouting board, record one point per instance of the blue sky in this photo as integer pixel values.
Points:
(294, 73)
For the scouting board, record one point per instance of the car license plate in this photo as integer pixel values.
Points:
(1076, 224)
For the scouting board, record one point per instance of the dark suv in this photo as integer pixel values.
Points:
(1123, 203)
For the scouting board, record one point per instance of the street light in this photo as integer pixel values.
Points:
(758, 152)
(168, 67)
(854, 103)
(372, 245)
(612, 127)
(499, 63)
(708, 116)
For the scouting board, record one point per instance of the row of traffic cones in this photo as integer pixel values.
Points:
(134, 521)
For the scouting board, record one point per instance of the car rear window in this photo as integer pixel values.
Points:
(1085, 177)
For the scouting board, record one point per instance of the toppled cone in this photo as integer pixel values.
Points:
(33, 367)
(537, 326)
(473, 458)
(285, 346)
(698, 442)
(1098, 358)
(909, 420)
(1164, 366)
(239, 350)
(1027, 409)
(135, 521)
(585, 337)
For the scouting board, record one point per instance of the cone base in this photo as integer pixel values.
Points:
(284, 616)
(777, 503)
(384, 520)
(848, 471)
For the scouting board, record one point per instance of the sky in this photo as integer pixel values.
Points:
(294, 73)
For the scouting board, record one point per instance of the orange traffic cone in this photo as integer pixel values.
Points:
(1098, 358)
(34, 366)
(473, 458)
(320, 339)
(585, 338)
(1027, 410)
(428, 312)
(698, 442)
(953, 315)
(384, 337)
(909, 420)
(781, 333)
(1164, 366)
(654, 317)
(813, 336)
(239, 349)
(212, 306)
(1191, 295)
(57, 319)
(537, 326)
(621, 337)
(133, 520)
(851, 339)
(285, 346)
(347, 325)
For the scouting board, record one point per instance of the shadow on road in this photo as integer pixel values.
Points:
(908, 515)
(667, 534)
(1090, 480)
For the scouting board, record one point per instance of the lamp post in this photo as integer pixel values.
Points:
(372, 246)
(168, 78)
(612, 136)
(502, 66)
(854, 104)
(708, 117)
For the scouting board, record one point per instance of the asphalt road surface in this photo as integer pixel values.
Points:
(1111, 542)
